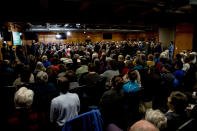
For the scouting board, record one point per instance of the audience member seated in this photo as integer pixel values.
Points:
(157, 118)
(143, 125)
(176, 116)
(24, 118)
(65, 106)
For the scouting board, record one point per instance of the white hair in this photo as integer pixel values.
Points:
(44, 58)
(42, 77)
(120, 58)
(157, 118)
(23, 98)
(94, 55)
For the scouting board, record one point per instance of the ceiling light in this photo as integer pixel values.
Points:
(68, 33)
(58, 35)
(66, 25)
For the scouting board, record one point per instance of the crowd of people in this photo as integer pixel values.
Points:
(135, 85)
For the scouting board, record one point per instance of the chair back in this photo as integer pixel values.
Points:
(89, 121)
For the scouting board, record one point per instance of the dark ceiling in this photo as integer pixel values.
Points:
(108, 12)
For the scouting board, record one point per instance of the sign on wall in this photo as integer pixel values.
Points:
(16, 38)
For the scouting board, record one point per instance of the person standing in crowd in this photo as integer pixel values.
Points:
(171, 50)
(176, 115)
(24, 117)
(91, 77)
(132, 86)
(65, 106)
(150, 61)
(45, 61)
(109, 74)
(112, 104)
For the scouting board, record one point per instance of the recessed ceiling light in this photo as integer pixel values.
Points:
(66, 25)
(68, 33)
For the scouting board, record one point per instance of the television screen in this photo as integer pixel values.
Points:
(16, 38)
(61, 36)
(107, 36)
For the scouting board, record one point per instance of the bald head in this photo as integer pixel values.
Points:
(143, 125)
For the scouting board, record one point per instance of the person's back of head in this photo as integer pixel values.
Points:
(71, 76)
(94, 55)
(150, 57)
(42, 77)
(179, 65)
(25, 74)
(166, 68)
(143, 125)
(117, 82)
(156, 55)
(23, 98)
(55, 61)
(132, 75)
(63, 84)
(113, 64)
(178, 56)
(91, 67)
(62, 68)
(40, 66)
(157, 118)
(120, 58)
(83, 61)
(177, 101)
(186, 59)
(44, 58)
(51, 73)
